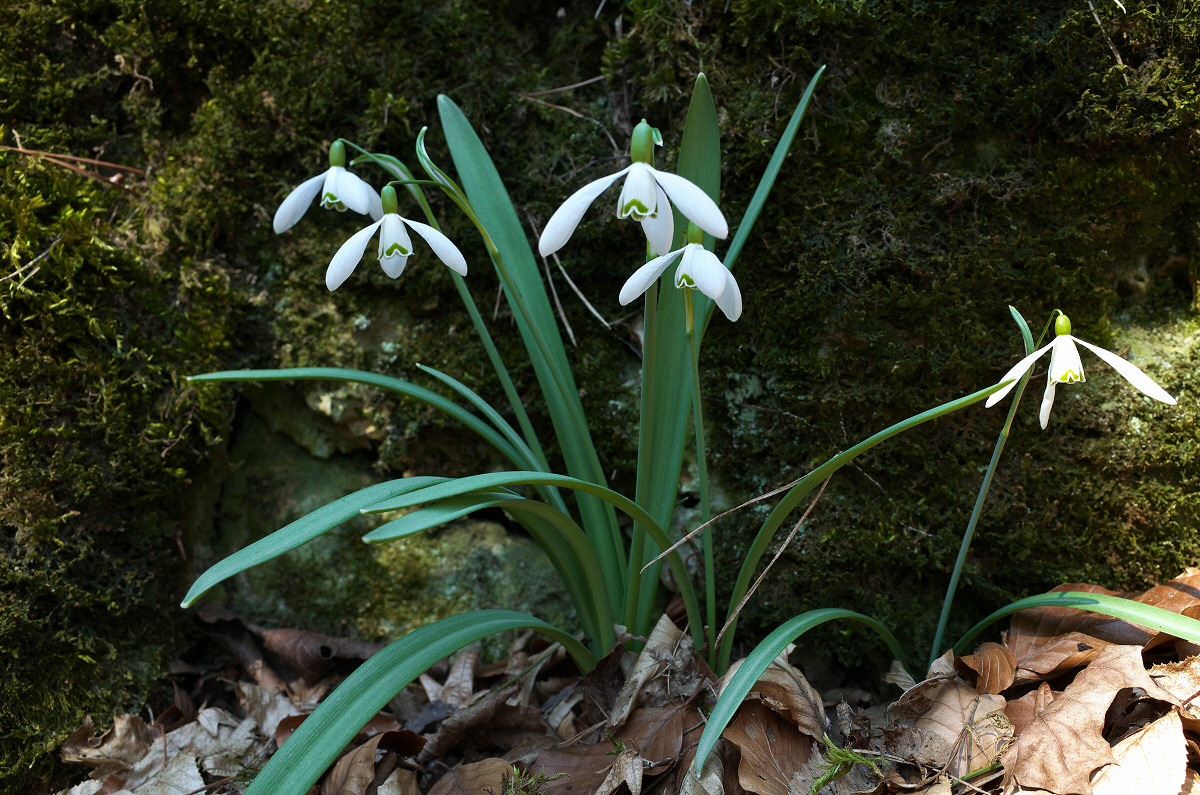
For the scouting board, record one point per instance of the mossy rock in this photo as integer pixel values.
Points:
(956, 158)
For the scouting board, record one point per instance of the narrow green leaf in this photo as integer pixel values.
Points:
(643, 522)
(532, 461)
(1149, 616)
(522, 283)
(743, 679)
(431, 516)
(1026, 334)
(389, 383)
(319, 740)
(666, 369)
(810, 481)
(301, 531)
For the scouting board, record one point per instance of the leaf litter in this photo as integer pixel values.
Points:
(1066, 703)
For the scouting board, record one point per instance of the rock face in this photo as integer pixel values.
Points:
(956, 158)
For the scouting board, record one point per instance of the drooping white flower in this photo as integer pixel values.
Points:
(1066, 368)
(646, 197)
(395, 246)
(699, 269)
(338, 188)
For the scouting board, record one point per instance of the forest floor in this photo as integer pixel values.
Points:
(1067, 702)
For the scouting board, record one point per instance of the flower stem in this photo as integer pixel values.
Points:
(969, 533)
(710, 581)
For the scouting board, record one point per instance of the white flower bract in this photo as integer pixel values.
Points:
(395, 247)
(1066, 368)
(698, 268)
(646, 197)
(339, 190)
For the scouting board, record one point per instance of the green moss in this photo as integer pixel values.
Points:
(957, 158)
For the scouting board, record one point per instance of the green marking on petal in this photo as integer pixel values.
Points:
(637, 210)
(395, 249)
(331, 202)
(1070, 377)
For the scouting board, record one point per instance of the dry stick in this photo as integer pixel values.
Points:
(570, 282)
(537, 233)
(73, 158)
(1104, 33)
(32, 263)
(533, 97)
(733, 616)
(692, 534)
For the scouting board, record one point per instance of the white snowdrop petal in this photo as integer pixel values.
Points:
(694, 203)
(296, 204)
(730, 300)
(1065, 366)
(660, 228)
(1014, 373)
(348, 256)
(395, 246)
(446, 251)
(645, 276)
(562, 224)
(1132, 374)
(639, 194)
(704, 269)
(1047, 402)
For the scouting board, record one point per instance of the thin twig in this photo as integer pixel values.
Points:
(692, 534)
(733, 615)
(1104, 33)
(32, 263)
(560, 89)
(73, 159)
(570, 282)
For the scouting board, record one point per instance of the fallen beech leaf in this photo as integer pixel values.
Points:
(268, 709)
(626, 769)
(1063, 745)
(1180, 679)
(994, 667)
(709, 781)
(460, 682)
(859, 779)
(490, 723)
(1020, 712)
(359, 769)
(968, 724)
(772, 749)
(485, 777)
(1151, 760)
(402, 781)
(312, 654)
(785, 690)
(657, 732)
(117, 749)
(665, 673)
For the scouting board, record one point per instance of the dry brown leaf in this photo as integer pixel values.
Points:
(665, 673)
(655, 732)
(489, 724)
(785, 690)
(771, 748)
(358, 770)
(860, 779)
(968, 724)
(1180, 679)
(402, 781)
(1063, 745)
(311, 654)
(1153, 760)
(993, 665)
(626, 769)
(117, 749)
(460, 682)
(485, 777)
(1020, 711)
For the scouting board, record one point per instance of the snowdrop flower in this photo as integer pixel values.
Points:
(338, 188)
(699, 269)
(646, 197)
(1066, 368)
(395, 246)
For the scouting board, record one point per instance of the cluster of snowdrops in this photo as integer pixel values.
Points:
(609, 566)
